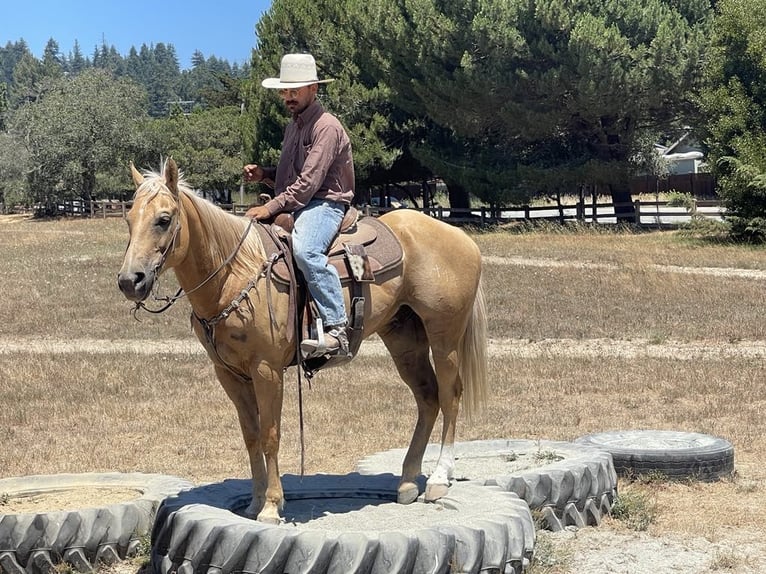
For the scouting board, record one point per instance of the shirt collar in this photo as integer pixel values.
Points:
(311, 111)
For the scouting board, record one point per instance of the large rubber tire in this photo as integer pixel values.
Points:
(344, 525)
(675, 454)
(569, 484)
(35, 543)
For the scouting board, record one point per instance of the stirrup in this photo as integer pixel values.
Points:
(321, 346)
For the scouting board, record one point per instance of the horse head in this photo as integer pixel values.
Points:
(154, 222)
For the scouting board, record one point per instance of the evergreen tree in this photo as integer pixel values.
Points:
(734, 106)
(527, 90)
(4, 105)
(26, 86)
(76, 62)
(109, 59)
(359, 100)
(161, 76)
(10, 55)
(52, 63)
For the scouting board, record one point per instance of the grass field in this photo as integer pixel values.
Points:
(114, 409)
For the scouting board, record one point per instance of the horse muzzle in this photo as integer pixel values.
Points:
(135, 285)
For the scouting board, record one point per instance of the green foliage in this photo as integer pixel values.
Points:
(743, 189)
(14, 166)
(79, 128)
(361, 102)
(634, 508)
(69, 125)
(680, 199)
(734, 107)
(207, 144)
(536, 87)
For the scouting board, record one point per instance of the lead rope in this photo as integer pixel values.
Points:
(300, 420)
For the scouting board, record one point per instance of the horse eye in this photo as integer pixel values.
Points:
(164, 221)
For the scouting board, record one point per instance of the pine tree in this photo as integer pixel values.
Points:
(76, 62)
(325, 29)
(527, 90)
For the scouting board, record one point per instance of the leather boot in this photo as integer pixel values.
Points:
(334, 341)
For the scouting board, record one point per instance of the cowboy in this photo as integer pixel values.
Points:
(314, 180)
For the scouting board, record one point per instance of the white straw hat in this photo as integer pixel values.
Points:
(296, 71)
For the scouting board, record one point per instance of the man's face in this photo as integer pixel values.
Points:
(297, 99)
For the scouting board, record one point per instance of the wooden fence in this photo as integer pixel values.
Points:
(698, 185)
(644, 213)
(657, 214)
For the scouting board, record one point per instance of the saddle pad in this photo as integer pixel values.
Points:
(383, 249)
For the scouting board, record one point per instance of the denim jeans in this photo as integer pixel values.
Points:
(315, 228)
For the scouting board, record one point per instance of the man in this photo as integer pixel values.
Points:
(314, 180)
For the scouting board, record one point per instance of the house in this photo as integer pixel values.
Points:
(683, 156)
(687, 171)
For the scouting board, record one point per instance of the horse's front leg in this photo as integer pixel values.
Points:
(242, 394)
(269, 393)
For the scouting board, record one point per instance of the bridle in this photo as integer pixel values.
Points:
(180, 294)
(209, 324)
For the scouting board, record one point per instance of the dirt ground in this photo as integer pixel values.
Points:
(609, 548)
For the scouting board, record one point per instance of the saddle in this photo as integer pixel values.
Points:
(364, 251)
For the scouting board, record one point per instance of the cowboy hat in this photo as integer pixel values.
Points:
(296, 71)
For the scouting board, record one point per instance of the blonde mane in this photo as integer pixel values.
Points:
(223, 230)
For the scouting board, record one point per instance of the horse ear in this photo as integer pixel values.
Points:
(171, 175)
(138, 179)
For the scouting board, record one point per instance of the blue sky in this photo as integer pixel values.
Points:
(221, 28)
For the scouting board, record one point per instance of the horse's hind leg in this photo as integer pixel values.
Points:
(449, 392)
(406, 340)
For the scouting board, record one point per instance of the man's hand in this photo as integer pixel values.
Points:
(258, 213)
(253, 172)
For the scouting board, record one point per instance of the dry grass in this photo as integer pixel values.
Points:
(165, 413)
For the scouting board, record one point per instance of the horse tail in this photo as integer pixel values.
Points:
(473, 364)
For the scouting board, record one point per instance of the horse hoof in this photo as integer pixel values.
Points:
(269, 518)
(436, 491)
(408, 493)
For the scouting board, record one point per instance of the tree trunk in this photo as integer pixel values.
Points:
(623, 204)
(459, 198)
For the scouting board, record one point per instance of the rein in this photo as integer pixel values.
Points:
(180, 294)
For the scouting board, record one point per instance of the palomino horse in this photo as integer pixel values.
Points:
(430, 315)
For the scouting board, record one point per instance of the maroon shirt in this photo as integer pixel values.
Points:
(315, 161)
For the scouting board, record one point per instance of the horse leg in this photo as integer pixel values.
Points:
(269, 394)
(450, 390)
(242, 394)
(406, 341)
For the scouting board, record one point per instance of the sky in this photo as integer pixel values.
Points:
(221, 28)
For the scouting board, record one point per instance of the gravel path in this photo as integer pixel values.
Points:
(523, 348)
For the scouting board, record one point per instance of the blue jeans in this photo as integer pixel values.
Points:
(316, 225)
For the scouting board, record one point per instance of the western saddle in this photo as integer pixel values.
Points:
(364, 250)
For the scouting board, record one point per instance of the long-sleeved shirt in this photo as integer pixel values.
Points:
(316, 161)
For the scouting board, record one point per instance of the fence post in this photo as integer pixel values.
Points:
(594, 203)
(637, 210)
